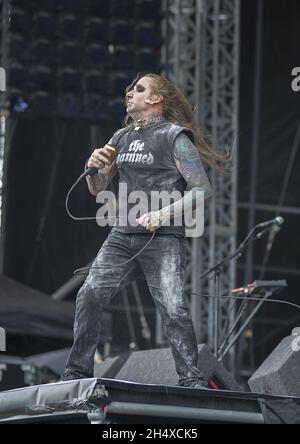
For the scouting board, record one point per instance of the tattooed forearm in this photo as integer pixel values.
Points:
(192, 199)
(189, 164)
(189, 200)
(98, 182)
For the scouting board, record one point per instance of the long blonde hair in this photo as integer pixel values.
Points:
(178, 110)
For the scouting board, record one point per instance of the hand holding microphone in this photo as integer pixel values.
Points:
(100, 158)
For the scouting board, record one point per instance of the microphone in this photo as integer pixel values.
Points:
(113, 151)
(276, 221)
(90, 172)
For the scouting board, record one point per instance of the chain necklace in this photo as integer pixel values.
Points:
(143, 122)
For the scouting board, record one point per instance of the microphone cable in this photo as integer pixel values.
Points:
(68, 197)
(77, 272)
(117, 265)
(247, 298)
(93, 218)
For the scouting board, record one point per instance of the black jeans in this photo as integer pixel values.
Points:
(163, 265)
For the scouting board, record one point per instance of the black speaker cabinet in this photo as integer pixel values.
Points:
(280, 372)
(157, 367)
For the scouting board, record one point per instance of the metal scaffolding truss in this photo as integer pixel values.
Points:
(4, 33)
(201, 56)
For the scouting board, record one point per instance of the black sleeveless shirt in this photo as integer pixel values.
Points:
(146, 163)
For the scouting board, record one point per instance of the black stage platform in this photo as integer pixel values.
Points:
(110, 401)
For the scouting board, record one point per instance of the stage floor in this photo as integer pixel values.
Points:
(110, 401)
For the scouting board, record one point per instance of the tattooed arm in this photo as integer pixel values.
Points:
(189, 164)
(107, 169)
(100, 181)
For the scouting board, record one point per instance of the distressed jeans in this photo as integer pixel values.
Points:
(163, 265)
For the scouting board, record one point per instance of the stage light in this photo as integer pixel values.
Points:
(83, 47)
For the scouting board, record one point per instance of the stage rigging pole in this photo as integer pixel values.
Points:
(201, 55)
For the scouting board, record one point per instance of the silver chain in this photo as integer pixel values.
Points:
(142, 122)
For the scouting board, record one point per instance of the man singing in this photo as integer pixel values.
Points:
(159, 149)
